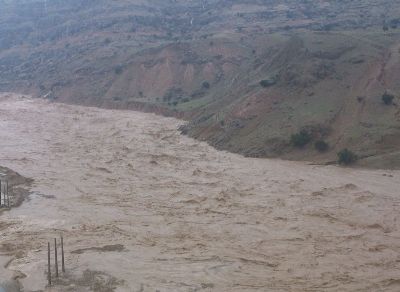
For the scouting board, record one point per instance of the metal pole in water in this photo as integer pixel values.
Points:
(48, 264)
(55, 256)
(8, 196)
(62, 255)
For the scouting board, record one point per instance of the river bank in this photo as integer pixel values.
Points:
(19, 190)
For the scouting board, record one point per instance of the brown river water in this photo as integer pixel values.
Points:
(143, 208)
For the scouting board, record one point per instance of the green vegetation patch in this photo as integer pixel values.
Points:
(300, 139)
(387, 98)
(346, 157)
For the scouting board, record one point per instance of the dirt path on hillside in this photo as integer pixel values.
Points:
(385, 72)
(143, 208)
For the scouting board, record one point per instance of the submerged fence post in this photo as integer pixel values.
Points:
(55, 256)
(62, 255)
(48, 264)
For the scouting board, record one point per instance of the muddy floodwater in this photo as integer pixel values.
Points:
(143, 208)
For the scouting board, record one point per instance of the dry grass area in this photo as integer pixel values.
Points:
(143, 208)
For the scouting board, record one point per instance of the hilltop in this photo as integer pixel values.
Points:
(247, 75)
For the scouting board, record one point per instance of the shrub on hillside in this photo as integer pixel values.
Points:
(387, 98)
(321, 145)
(385, 27)
(206, 85)
(360, 98)
(346, 157)
(300, 139)
(118, 70)
(267, 82)
(394, 23)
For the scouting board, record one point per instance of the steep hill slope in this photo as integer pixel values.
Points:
(247, 75)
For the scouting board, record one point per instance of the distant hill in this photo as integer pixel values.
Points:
(246, 74)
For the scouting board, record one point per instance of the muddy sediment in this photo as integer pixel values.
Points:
(143, 208)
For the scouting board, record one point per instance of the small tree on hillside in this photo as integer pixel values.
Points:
(387, 98)
(346, 157)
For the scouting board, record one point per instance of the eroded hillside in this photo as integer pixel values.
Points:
(246, 74)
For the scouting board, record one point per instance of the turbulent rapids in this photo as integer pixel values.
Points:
(143, 208)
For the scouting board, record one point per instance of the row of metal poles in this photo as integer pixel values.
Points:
(4, 194)
(55, 259)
